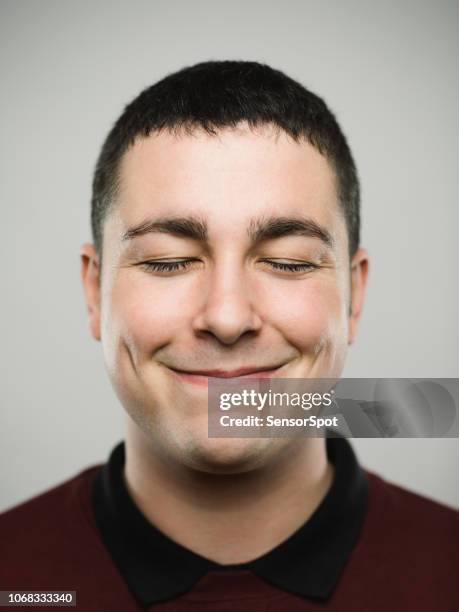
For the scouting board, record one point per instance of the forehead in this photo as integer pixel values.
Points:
(227, 178)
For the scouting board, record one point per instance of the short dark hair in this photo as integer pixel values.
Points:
(218, 94)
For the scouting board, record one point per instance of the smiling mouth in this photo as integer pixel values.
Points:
(201, 377)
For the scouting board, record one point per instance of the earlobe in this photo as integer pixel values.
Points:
(90, 279)
(359, 277)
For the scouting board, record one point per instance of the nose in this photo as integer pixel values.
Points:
(228, 310)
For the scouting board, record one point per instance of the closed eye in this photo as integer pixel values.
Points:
(167, 266)
(289, 266)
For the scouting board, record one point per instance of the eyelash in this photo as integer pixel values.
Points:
(170, 266)
(174, 266)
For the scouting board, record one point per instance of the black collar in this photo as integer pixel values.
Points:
(308, 563)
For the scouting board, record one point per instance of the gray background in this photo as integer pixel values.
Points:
(388, 70)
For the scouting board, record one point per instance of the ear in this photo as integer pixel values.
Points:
(359, 276)
(90, 278)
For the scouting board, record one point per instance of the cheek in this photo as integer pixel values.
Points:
(142, 315)
(309, 313)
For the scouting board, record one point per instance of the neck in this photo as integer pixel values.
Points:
(230, 518)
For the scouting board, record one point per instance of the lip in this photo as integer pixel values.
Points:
(201, 377)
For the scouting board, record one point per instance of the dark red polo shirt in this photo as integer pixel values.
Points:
(371, 546)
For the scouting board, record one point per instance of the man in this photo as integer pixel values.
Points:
(225, 219)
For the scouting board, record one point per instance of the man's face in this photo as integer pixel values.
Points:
(211, 289)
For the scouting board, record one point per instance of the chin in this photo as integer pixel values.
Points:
(227, 455)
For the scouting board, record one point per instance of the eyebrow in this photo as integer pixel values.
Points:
(259, 229)
(277, 227)
(185, 227)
